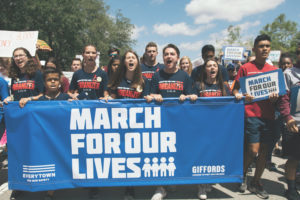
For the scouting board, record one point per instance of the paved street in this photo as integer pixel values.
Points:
(273, 181)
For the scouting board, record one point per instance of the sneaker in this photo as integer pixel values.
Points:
(159, 194)
(15, 194)
(4, 163)
(271, 167)
(202, 191)
(249, 171)
(258, 189)
(292, 194)
(243, 185)
(277, 152)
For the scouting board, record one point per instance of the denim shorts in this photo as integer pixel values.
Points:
(258, 130)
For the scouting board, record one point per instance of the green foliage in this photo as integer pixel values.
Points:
(234, 35)
(284, 34)
(68, 25)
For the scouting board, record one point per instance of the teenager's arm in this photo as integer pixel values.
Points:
(23, 101)
(284, 109)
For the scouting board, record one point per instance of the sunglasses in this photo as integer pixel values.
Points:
(112, 54)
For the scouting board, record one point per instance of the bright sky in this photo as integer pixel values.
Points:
(190, 24)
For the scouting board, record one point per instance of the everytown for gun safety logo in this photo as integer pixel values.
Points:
(105, 144)
(38, 173)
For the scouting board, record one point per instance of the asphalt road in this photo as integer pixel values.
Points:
(273, 181)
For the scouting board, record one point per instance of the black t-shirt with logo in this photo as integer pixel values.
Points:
(125, 91)
(89, 85)
(60, 97)
(210, 90)
(171, 84)
(149, 71)
(26, 86)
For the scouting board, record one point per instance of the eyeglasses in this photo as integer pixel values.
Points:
(19, 56)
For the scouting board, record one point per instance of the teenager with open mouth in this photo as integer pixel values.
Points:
(127, 82)
(170, 82)
(90, 82)
(27, 81)
(209, 83)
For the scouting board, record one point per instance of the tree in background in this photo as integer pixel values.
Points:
(68, 25)
(284, 34)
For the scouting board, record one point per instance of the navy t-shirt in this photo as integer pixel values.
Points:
(149, 71)
(210, 90)
(89, 85)
(196, 72)
(24, 86)
(125, 91)
(60, 97)
(171, 85)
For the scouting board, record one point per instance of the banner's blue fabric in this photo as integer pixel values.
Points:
(60, 144)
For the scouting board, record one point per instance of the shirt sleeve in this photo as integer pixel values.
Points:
(224, 73)
(240, 73)
(188, 85)
(284, 106)
(228, 93)
(104, 80)
(154, 84)
(39, 82)
(146, 90)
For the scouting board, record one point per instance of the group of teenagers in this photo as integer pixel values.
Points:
(131, 77)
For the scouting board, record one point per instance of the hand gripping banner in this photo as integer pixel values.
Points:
(60, 144)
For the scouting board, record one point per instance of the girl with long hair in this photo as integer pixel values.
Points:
(209, 83)
(27, 80)
(112, 67)
(186, 65)
(127, 81)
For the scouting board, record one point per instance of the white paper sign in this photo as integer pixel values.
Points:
(274, 56)
(233, 53)
(68, 75)
(10, 40)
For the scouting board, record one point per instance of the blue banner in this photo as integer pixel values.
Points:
(61, 144)
(261, 85)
